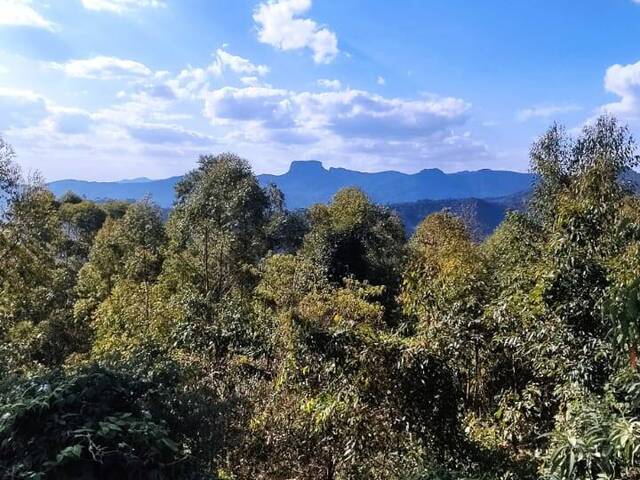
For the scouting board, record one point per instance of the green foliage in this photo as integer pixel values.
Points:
(599, 435)
(350, 399)
(239, 340)
(80, 222)
(128, 249)
(217, 228)
(353, 237)
(9, 177)
(444, 273)
(36, 283)
(93, 424)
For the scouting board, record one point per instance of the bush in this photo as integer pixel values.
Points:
(97, 423)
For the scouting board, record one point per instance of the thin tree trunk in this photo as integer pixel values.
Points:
(206, 259)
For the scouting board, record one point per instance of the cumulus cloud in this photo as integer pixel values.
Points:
(623, 81)
(27, 110)
(269, 106)
(120, 6)
(139, 108)
(193, 82)
(21, 108)
(348, 114)
(70, 121)
(546, 111)
(444, 149)
(224, 60)
(20, 13)
(104, 68)
(279, 26)
(157, 90)
(330, 84)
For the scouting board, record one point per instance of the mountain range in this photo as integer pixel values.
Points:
(309, 182)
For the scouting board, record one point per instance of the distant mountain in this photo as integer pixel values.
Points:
(483, 215)
(308, 182)
(161, 191)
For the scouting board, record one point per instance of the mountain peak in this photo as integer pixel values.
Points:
(435, 171)
(135, 180)
(306, 166)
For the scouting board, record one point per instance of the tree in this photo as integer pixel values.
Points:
(353, 237)
(444, 288)
(217, 227)
(9, 177)
(126, 251)
(347, 399)
(36, 284)
(80, 221)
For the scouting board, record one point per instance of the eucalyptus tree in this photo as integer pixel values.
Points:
(217, 227)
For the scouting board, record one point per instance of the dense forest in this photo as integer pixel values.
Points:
(239, 340)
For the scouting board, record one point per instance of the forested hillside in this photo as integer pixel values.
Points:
(482, 216)
(240, 340)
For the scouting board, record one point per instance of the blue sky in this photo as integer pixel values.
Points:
(110, 89)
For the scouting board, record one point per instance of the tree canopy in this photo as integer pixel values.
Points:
(236, 339)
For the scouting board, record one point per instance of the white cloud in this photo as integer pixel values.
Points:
(68, 121)
(546, 111)
(279, 27)
(237, 64)
(120, 6)
(330, 84)
(350, 128)
(268, 106)
(20, 13)
(348, 114)
(250, 81)
(624, 81)
(104, 68)
(381, 81)
(139, 108)
(193, 82)
(162, 134)
(21, 108)
(25, 109)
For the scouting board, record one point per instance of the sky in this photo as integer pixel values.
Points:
(113, 89)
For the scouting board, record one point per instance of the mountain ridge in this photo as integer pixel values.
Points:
(308, 182)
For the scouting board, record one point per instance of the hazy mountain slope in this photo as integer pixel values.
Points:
(483, 215)
(160, 190)
(308, 182)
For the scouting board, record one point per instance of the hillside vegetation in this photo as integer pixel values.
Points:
(239, 340)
